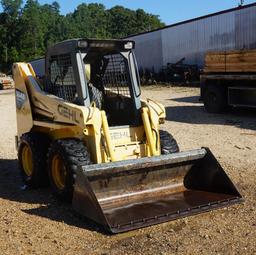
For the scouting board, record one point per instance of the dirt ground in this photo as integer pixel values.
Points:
(33, 222)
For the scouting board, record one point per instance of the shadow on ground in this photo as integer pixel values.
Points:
(190, 99)
(11, 188)
(196, 114)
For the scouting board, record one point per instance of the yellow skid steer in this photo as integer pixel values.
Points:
(84, 129)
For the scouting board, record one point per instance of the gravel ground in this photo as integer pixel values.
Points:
(33, 222)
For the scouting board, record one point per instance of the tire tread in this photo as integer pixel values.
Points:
(38, 144)
(74, 154)
(168, 143)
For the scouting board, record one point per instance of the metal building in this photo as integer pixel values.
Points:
(230, 29)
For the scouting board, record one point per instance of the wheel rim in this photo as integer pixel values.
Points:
(59, 171)
(27, 161)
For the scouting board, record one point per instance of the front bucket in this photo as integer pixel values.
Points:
(131, 194)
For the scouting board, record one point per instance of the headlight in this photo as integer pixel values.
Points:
(82, 44)
(128, 46)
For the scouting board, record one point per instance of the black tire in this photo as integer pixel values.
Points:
(215, 98)
(1, 86)
(168, 143)
(72, 153)
(37, 144)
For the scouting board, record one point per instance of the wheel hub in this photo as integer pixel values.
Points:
(27, 161)
(59, 171)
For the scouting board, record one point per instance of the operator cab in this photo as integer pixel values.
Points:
(102, 73)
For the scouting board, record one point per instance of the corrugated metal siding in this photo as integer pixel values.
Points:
(149, 50)
(226, 31)
(193, 39)
(245, 28)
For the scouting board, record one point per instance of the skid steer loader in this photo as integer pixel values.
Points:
(86, 125)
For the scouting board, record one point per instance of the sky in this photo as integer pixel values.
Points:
(170, 11)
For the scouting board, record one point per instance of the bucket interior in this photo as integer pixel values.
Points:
(154, 193)
(144, 196)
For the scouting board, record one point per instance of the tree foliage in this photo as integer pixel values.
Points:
(26, 30)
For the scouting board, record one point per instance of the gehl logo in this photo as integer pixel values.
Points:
(118, 135)
(67, 113)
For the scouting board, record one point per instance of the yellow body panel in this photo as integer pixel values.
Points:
(23, 107)
(61, 119)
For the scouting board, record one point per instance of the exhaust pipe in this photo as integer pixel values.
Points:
(131, 194)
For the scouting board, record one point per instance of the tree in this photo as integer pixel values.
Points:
(32, 35)
(11, 7)
(9, 22)
(52, 23)
(122, 22)
(147, 22)
(26, 32)
(90, 21)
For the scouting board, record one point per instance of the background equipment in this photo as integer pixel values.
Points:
(229, 79)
